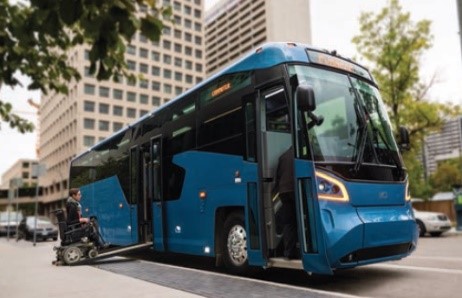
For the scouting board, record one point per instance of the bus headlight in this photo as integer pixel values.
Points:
(330, 188)
(407, 192)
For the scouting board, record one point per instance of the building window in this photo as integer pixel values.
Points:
(167, 45)
(131, 113)
(117, 111)
(177, 20)
(131, 65)
(117, 126)
(177, 48)
(117, 94)
(155, 101)
(88, 106)
(89, 89)
(178, 76)
(166, 30)
(143, 38)
(188, 51)
(167, 74)
(144, 98)
(189, 79)
(177, 33)
(143, 112)
(177, 6)
(88, 141)
(103, 91)
(87, 72)
(155, 56)
(155, 86)
(167, 59)
(131, 96)
(197, 27)
(143, 68)
(144, 83)
(86, 55)
(103, 108)
(188, 36)
(25, 165)
(178, 62)
(188, 23)
(25, 175)
(198, 67)
(188, 64)
(103, 125)
(131, 50)
(144, 53)
(198, 40)
(197, 13)
(178, 90)
(155, 71)
(88, 123)
(167, 88)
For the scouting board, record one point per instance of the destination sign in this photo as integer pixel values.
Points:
(337, 62)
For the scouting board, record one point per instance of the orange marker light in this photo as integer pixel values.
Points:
(202, 195)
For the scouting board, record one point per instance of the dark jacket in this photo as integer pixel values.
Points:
(285, 172)
(73, 211)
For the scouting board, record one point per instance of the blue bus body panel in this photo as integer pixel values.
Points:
(317, 261)
(376, 194)
(116, 218)
(190, 221)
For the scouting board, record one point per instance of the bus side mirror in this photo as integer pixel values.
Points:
(404, 143)
(304, 96)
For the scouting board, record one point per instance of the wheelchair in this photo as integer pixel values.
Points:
(75, 241)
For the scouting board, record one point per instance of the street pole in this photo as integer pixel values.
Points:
(37, 171)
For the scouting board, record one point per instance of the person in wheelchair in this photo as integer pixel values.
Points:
(74, 217)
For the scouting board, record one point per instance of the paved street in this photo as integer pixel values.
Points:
(434, 270)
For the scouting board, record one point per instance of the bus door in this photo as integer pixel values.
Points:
(145, 204)
(276, 139)
(158, 202)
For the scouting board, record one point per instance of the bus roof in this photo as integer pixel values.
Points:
(265, 56)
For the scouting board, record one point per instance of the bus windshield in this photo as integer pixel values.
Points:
(356, 127)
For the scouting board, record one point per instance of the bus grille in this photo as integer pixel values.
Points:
(377, 252)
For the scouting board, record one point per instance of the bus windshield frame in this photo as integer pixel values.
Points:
(356, 128)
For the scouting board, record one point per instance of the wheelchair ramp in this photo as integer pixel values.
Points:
(115, 251)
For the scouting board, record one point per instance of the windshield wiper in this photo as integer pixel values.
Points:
(362, 132)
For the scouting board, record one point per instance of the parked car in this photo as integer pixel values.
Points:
(45, 228)
(434, 223)
(9, 221)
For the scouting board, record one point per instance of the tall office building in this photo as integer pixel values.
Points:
(233, 27)
(94, 110)
(443, 145)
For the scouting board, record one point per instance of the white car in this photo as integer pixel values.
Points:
(431, 222)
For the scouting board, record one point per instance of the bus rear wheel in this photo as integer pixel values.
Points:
(235, 243)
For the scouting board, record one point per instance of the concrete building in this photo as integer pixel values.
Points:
(234, 27)
(20, 169)
(69, 124)
(443, 145)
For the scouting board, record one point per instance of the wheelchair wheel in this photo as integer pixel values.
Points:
(71, 255)
(92, 253)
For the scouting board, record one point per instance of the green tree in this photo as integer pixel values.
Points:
(36, 37)
(447, 174)
(393, 44)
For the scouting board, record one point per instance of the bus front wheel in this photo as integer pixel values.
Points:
(235, 243)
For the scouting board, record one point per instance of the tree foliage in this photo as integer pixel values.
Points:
(393, 44)
(36, 37)
(447, 174)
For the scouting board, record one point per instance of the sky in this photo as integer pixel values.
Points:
(334, 23)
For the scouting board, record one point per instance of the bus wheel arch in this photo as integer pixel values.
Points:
(233, 241)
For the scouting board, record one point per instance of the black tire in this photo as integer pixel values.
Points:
(55, 238)
(436, 234)
(422, 229)
(234, 243)
(71, 255)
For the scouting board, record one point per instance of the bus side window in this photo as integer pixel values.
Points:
(277, 112)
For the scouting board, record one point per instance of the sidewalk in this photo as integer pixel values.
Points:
(26, 271)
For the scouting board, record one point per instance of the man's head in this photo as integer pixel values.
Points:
(75, 193)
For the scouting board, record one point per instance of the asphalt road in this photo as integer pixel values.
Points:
(433, 270)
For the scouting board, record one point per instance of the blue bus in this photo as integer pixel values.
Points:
(196, 176)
